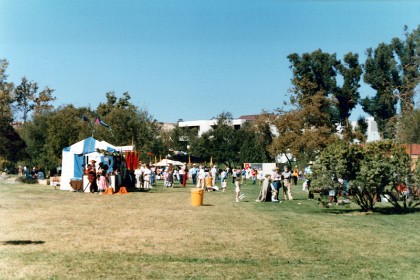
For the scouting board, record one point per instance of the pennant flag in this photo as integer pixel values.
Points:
(99, 121)
(85, 119)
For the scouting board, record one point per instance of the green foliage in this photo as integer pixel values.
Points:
(233, 146)
(25, 95)
(129, 125)
(48, 133)
(393, 71)
(11, 144)
(408, 128)
(348, 94)
(408, 53)
(222, 143)
(373, 170)
(416, 174)
(26, 180)
(337, 160)
(385, 165)
(252, 148)
(306, 131)
(6, 90)
(382, 75)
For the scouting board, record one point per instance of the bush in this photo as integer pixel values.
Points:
(374, 170)
(27, 180)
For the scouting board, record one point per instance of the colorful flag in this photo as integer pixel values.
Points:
(99, 121)
(85, 119)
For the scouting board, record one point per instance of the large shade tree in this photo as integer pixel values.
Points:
(407, 52)
(222, 143)
(126, 124)
(11, 144)
(381, 74)
(320, 103)
(393, 71)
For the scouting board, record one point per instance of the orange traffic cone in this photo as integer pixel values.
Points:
(123, 190)
(109, 191)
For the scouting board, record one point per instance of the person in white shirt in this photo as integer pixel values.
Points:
(146, 176)
(201, 177)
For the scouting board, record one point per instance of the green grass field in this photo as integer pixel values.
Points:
(52, 234)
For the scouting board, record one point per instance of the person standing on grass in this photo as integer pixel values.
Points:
(287, 176)
(223, 179)
(193, 174)
(243, 179)
(308, 173)
(213, 172)
(176, 174)
(183, 175)
(103, 179)
(254, 176)
(264, 189)
(276, 181)
(201, 177)
(146, 176)
(239, 196)
(233, 175)
(295, 175)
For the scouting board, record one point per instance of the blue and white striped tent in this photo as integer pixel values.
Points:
(78, 155)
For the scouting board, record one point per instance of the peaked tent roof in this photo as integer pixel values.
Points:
(89, 145)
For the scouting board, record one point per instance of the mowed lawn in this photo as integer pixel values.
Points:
(52, 234)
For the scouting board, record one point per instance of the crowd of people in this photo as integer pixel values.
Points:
(34, 173)
(275, 186)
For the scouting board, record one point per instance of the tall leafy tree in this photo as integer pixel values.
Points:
(42, 103)
(49, 132)
(408, 53)
(252, 148)
(348, 94)
(408, 128)
(313, 73)
(6, 98)
(11, 144)
(25, 94)
(264, 131)
(127, 124)
(222, 143)
(381, 74)
(27, 98)
(304, 131)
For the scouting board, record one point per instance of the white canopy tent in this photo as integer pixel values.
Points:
(75, 157)
(166, 162)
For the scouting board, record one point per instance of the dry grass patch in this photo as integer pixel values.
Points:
(158, 235)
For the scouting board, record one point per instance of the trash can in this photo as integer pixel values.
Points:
(197, 197)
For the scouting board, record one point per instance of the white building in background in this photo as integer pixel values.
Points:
(206, 125)
(372, 132)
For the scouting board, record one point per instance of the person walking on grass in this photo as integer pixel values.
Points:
(239, 195)
(287, 176)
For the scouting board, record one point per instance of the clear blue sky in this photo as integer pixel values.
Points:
(188, 59)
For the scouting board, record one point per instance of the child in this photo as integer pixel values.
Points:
(274, 193)
(224, 185)
(239, 196)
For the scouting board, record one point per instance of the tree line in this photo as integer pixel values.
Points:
(324, 91)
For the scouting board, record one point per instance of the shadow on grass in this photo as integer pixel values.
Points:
(23, 242)
(378, 210)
